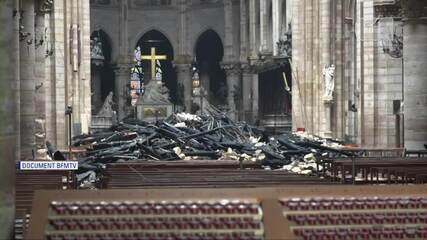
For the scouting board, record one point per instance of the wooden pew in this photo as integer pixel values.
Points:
(368, 166)
(27, 182)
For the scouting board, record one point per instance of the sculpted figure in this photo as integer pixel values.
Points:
(329, 82)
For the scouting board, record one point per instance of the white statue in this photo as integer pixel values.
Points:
(159, 73)
(137, 54)
(329, 85)
(107, 107)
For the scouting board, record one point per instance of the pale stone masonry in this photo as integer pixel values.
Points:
(356, 36)
(54, 70)
(415, 73)
(9, 114)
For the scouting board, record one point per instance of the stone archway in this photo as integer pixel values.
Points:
(275, 99)
(156, 39)
(209, 52)
(102, 72)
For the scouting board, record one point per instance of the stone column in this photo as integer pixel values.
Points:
(253, 28)
(277, 24)
(96, 98)
(415, 74)
(246, 92)
(9, 68)
(183, 71)
(48, 82)
(39, 74)
(228, 41)
(59, 74)
(125, 52)
(182, 29)
(122, 78)
(255, 98)
(243, 31)
(27, 61)
(263, 26)
(325, 45)
(233, 87)
(85, 31)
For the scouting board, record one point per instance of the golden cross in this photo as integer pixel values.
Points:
(153, 57)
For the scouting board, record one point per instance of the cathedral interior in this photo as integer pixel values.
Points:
(178, 111)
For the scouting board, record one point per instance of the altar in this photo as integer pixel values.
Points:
(154, 104)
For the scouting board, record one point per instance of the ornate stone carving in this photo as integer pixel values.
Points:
(231, 68)
(285, 43)
(107, 107)
(96, 53)
(329, 83)
(45, 6)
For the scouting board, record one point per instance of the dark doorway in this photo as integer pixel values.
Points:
(209, 53)
(102, 73)
(274, 95)
(162, 45)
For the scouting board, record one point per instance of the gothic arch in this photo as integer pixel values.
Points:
(209, 52)
(113, 44)
(106, 39)
(141, 34)
(200, 34)
(102, 71)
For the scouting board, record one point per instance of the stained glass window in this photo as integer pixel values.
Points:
(136, 78)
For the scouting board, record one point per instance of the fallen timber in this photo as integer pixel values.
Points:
(191, 137)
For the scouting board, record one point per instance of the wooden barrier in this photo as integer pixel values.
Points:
(197, 174)
(399, 169)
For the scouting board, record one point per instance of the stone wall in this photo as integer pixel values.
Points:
(415, 73)
(368, 77)
(9, 144)
(318, 42)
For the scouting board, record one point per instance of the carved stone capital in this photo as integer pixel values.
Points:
(182, 67)
(231, 68)
(246, 68)
(44, 6)
(122, 68)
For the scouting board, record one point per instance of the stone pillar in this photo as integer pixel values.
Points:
(263, 26)
(243, 31)
(96, 98)
(122, 78)
(325, 45)
(9, 69)
(125, 52)
(246, 92)
(182, 29)
(39, 74)
(255, 98)
(85, 99)
(184, 79)
(27, 62)
(48, 83)
(277, 24)
(233, 87)
(59, 72)
(415, 74)
(228, 41)
(253, 28)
